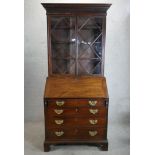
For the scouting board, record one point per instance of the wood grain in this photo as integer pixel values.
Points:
(76, 112)
(76, 102)
(62, 86)
(76, 8)
(76, 134)
(76, 122)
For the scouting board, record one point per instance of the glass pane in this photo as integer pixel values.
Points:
(89, 66)
(63, 45)
(90, 44)
(64, 31)
(63, 66)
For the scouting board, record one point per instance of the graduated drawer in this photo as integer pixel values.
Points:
(76, 134)
(76, 111)
(76, 102)
(76, 122)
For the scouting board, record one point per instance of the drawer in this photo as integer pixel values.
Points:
(76, 102)
(93, 111)
(76, 112)
(75, 122)
(77, 134)
(92, 133)
(55, 112)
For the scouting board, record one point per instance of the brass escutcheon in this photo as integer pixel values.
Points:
(59, 121)
(92, 103)
(92, 133)
(93, 111)
(91, 121)
(59, 133)
(60, 103)
(58, 111)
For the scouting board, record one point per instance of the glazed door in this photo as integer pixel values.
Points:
(63, 44)
(90, 35)
(77, 44)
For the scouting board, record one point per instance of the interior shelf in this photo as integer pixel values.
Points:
(73, 28)
(71, 58)
(71, 42)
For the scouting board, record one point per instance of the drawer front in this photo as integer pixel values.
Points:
(76, 112)
(77, 134)
(92, 133)
(76, 102)
(61, 112)
(93, 112)
(76, 122)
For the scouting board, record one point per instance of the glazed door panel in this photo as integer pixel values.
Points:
(90, 44)
(63, 45)
(77, 44)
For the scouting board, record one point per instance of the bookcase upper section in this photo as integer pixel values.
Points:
(76, 38)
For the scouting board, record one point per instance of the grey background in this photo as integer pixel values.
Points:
(116, 72)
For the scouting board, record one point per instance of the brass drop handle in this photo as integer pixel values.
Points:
(92, 103)
(59, 121)
(60, 103)
(58, 111)
(92, 133)
(93, 111)
(59, 133)
(91, 121)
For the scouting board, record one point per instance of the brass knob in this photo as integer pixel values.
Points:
(60, 103)
(91, 121)
(92, 133)
(93, 111)
(58, 111)
(92, 103)
(59, 121)
(59, 133)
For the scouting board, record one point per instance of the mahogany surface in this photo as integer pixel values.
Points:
(76, 122)
(62, 86)
(75, 117)
(76, 102)
(77, 134)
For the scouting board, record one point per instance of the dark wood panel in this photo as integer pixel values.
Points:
(63, 86)
(72, 8)
(53, 103)
(101, 143)
(76, 122)
(76, 112)
(76, 133)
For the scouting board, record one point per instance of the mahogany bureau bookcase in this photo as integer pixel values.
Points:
(76, 96)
